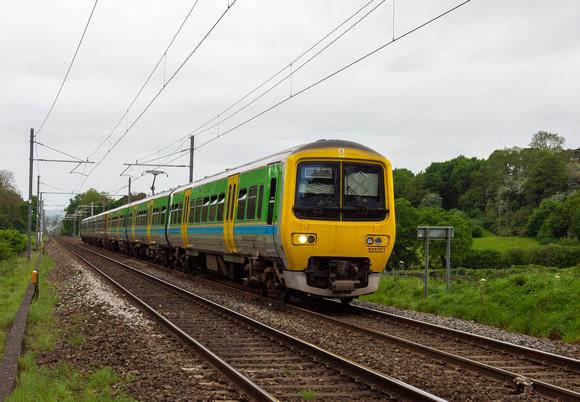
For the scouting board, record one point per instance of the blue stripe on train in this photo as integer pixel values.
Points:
(238, 230)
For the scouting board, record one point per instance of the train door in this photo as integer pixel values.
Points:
(149, 221)
(274, 192)
(185, 217)
(231, 202)
(133, 222)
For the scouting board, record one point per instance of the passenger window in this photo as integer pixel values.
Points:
(212, 208)
(260, 202)
(252, 202)
(229, 203)
(163, 215)
(241, 204)
(204, 210)
(198, 203)
(271, 201)
(220, 207)
(192, 211)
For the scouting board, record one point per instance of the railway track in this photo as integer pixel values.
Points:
(521, 371)
(262, 362)
(525, 370)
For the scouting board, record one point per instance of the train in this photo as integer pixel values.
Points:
(317, 219)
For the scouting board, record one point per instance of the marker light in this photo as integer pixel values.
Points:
(302, 239)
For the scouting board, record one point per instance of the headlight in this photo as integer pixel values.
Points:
(303, 238)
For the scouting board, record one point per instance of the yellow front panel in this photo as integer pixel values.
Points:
(346, 239)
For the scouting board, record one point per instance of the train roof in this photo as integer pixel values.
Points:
(265, 161)
(276, 158)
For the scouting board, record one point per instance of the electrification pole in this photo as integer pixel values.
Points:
(191, 159)
(30, 175)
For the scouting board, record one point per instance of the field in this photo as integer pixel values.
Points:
(532, 300)
(491, 241)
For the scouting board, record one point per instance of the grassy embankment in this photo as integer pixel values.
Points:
(534, 300)
(64, 383)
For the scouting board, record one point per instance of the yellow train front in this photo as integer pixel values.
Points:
(337, 221)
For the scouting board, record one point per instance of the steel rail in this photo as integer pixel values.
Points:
(376, 380)
(517, 381)
(251, 389)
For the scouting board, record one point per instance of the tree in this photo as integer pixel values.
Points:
(548, 142)
(81, 206)
(563, 221)
(406, 244)
(10, 201)
(402, 180)
(539, 217)
(546, 178)
(461, 243)
(451, 179)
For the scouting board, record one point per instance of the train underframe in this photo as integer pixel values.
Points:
(325, 276)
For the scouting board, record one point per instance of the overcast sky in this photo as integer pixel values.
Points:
(488, 75)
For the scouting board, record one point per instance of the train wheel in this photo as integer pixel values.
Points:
(263, 290)
(284, 296)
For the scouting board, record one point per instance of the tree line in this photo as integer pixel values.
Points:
(530, 192)
(13, 217)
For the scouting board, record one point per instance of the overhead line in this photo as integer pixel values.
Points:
(148, 78)
(161, 90)
(334, 73)
(68, 71)
(196, 131)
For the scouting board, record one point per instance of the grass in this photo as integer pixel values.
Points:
(531, 300)
(308, 394)
(490, 241)
(65, 383)
(15, 275)
(62, 383)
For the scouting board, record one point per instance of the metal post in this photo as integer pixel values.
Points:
(75, 225)
(448, 256)
(129, 195)
(38, 235)
(191, 159)
(426, 261)
(30, 175)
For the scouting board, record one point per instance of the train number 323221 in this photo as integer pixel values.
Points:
(375, 250)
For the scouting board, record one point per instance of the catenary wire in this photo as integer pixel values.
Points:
(69, 69)
(334, 73)
(158, 93)
(201, 130)
(313, 84)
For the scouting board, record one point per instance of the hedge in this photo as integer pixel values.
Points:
(552, 255)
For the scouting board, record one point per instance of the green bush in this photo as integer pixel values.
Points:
(481, 259)
(552, 255)
(5, 250)
(11, 241)
(516, 256)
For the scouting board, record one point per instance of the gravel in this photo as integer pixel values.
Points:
(118, 335)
